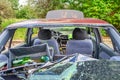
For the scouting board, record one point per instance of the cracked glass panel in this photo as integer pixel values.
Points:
(82, 70)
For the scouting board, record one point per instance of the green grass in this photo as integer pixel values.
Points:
(20, 34)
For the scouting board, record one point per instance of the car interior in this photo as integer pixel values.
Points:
(40, 47)
(76, 41)
(83, 40)
(58, 43)
(47, 46)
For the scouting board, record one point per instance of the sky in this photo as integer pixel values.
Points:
(22, 2)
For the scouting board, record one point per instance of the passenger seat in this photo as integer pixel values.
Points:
(80, 43)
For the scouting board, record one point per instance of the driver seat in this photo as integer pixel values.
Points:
(45, 36)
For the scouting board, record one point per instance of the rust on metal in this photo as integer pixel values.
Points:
(41, 22)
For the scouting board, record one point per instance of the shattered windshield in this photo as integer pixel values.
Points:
(83, 70)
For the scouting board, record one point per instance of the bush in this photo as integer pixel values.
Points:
(20, 34)
(0, 23)
(26, 12)
(7, 22)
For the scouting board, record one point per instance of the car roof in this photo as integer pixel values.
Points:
(91, 22)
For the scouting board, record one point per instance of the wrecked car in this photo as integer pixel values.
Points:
(57, 49)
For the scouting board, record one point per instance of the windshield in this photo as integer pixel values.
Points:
(88, 70)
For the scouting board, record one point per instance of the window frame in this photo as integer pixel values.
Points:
(12, 37)
(106, 29)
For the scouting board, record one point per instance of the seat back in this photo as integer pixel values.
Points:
(45, 36)
(79, 46)
(51, 43)
(80, 43)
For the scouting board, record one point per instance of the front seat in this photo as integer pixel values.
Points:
(80, 43)
(45, 36)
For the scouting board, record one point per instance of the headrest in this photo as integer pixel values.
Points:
(80, 34)
(44, 34)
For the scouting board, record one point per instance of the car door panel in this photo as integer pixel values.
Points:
(6, 52)
(106, 52)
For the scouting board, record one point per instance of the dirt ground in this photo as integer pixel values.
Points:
(107, 41)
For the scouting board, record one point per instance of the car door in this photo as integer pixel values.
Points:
(10, 38)
(106, 45)
(5, 37)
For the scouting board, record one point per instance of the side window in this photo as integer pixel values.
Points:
(92, 34)
(7, 45)
(106, 39)
(19, 37)
(6, 39)
(35, 32)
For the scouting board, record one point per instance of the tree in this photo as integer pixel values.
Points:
(103, 9)
(41, 7)
(25, 12)
(14, 4)
(6, 10)
(0, 24)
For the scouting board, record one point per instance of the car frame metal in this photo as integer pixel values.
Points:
(95, 24)
(54, 23)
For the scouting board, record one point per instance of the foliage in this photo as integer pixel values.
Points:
(20, 34)
(0, 23)
(41, 7)
(25, 12)
(6, 10)
(103, 9)
(7, 22)
(107, 10)
(14, 4)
